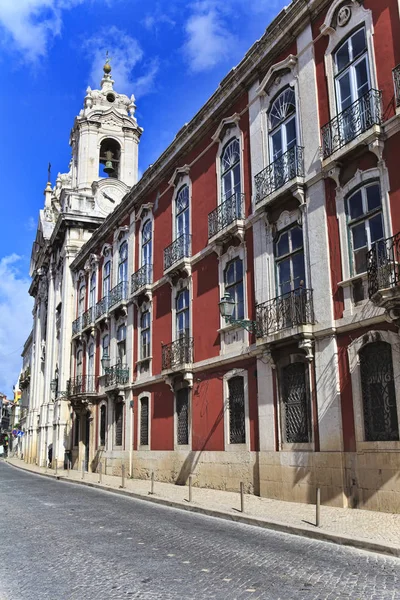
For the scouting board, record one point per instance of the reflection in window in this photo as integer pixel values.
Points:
(282, 121)
(123, 262)
(182, 314)
(230, 170)
(289, 260)
(145, 335)
(233, 279)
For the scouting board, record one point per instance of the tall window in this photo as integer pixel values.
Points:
(81, 299)
(121, 344)
(147, 244)
(79, 363)
(144, 421)
(182, 416)
(145, 335)
(90, 368)
(289, 260)
(230, 170)
(103, 423)
(295, 403)
(182, 227)
(282, 124)
(119, 422)
(237, 420)
(105, 347)
(92, 294)
(352, 71)
(233, 279)
(123, 262)
(76, 429)
(182, 314)
(106, 278)
(365, 221)
(378, 393)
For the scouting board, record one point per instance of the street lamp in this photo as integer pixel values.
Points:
(105, 361)
(226, 308)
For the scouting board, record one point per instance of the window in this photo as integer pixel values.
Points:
(76, 430)
(282, 124)
(237, 429)
(144, 421)
(289, 260)
(81, 300)
(79, 354)
(352, 70)
(145, 335)
(103, 424)
(92, 293)
(233, 279)
(90, 368)
(147, 244)
(230, 171)
(295, 403)
(182, 218)
(378, 393)
(106, 278)
(119, 421)
(182, 417)
(365, 221)
(182, 314)
(121, 344)
(123, 262)
(105, 347)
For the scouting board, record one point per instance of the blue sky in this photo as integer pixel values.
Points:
(170, 55)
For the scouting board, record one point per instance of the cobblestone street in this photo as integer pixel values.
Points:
(61, 541)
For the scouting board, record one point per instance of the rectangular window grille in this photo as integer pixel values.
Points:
(295, 401)
(103, 417)
(76, 431)
(144, 421)
(182, 410)
(378, 392)
(237, 430)
(119, 418)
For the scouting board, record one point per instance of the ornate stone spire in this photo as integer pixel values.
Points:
(107, 82)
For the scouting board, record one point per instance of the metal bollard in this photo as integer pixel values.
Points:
(152, 483)
(100, 471)
(190, 488)
(242, 497)
(83, 468)
(68, 467)
(123, 476)
(318, 507)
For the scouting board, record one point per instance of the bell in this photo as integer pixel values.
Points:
(109, 169)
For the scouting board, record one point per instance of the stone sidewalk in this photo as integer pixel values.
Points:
(369, 530)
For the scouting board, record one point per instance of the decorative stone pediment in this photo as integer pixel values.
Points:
(106, 250)
(179, 173)
(143, 211)
(225, 124)
(120, 232)
(275, 73)
(338, 15)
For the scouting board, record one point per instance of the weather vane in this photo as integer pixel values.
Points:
(49, 172)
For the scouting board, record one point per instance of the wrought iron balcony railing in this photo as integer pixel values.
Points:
(383, 265)
(142, 277)
(82, 384)
(102, 307)
(281, 171)
(396, 81)
(177, 353)
(87, 318)
(352, 122)
(226, 213)
(118, 293)
(179, 249)
(76, 326)
(286, 311)
(117, 375)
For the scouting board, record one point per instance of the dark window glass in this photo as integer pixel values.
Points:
(119, 419)
(237, 429)
(234, 286)
(295, 401)
(103, 417)
(76, 430)
(144, 421)
(182, 412)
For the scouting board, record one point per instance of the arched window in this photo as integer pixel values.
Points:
(145, 335)
(81, 299)
(147, 249)
(121, 344)
(123, 262)
(236, 409)
(352, 70)
(230, 171)
(182, 216)
(92, 294)
(289, 260)
(103, 424)
(295, 402)
(182, 314)
(79, 363)
(105, 347)
(233, 279)
(282, 124)
(378, 393)
(109, 161)
(106, 278)
(90, 369)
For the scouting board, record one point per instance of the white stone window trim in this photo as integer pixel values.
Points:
(360, 17)
(181, 179)
(231, 254)
(102, 403)
(118, 400)
(231, 131)
(354, 360)
(229, 375)
(288, 446)
(105, 334)
(121, 235)
(181, 285)
(189, 445)
(90, 341)
(110, 136)
(149, 396)
(145, 307)
(144, 219)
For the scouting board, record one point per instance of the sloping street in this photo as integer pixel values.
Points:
(64, 542)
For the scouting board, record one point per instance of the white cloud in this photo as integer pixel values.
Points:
(30, 225)
(151, 22)
(15, 320)
(126, 54)
(30, 25)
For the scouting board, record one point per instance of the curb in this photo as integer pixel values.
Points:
(342, 540)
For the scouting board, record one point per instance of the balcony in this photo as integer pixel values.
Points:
(227, 218)
(77, 326)
(348, 125)
(141, 279)
(290, 310)
(102, 308)
(283, 170)
(82, 385)
(87, 318)
(383, 268)
(177, 354)
(396, 81)
(116, 376)
(177, 254)
(118, 294)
